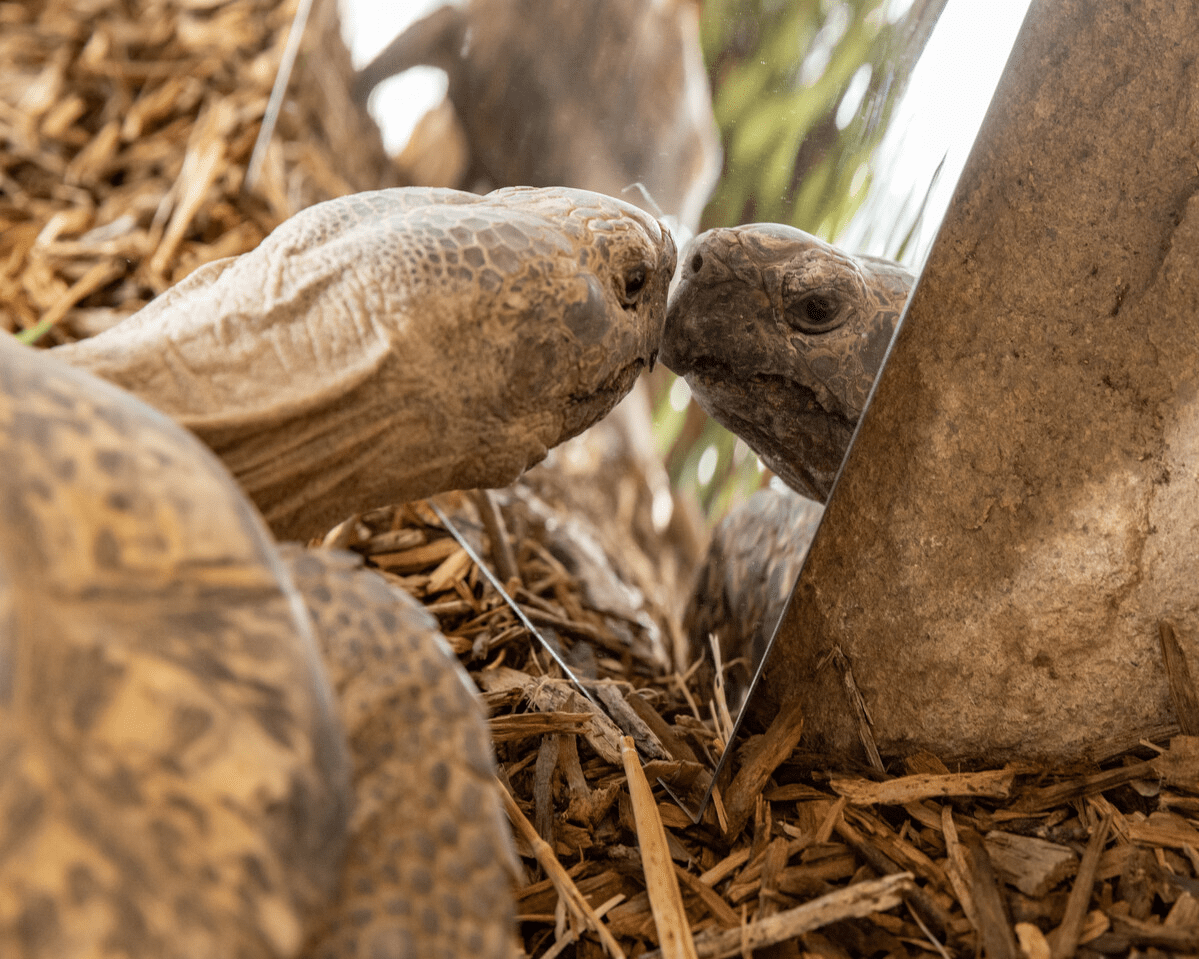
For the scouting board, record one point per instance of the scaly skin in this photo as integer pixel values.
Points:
(780, 337)
(384, 346)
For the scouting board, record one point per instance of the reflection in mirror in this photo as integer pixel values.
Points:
(848, 120)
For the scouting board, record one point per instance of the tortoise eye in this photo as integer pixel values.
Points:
(814, 313)
(819, 309)
(634, 283)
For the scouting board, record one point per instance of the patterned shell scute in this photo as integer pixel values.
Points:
(173, 781)
(430, 865)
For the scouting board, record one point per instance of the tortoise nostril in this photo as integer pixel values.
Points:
(696, 262)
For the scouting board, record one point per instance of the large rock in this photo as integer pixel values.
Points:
(1021, 507)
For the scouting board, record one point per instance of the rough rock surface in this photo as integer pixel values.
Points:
(384, 346)
(1020, 509)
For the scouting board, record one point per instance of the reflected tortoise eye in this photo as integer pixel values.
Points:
(819, 309)
(815, 313)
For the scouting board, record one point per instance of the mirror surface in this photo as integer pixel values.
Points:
(904, 126)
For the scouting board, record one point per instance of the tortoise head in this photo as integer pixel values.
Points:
(780, 336)
(559, 294)
(385, 346)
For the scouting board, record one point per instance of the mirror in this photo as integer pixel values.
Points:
(850, 120)
(891, 188)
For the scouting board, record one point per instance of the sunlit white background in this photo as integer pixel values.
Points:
(938, 117)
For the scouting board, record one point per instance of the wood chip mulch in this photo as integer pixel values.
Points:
(790, 857)
(126, 130)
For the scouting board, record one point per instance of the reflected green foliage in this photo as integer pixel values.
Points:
(803, 91)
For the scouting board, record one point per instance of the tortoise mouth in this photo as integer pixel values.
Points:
(718, 377)
(781, 419)
(585, 409)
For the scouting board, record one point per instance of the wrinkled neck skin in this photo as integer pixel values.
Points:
(780, 337)
(388, 346)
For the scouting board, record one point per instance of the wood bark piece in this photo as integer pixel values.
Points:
(97, 276)
(497, 533)
(1140, 881)
(1181, 939)
(1032, 941)
(1178, 834)
(773, 862)
(1179, 765)
(958, 868)
(399, 539)
(899, 850)
(1078, 786)
(670, 740)
(112, 102)
(670, 917)
(780, 738)
(527, 725)
(1183, 691)
(567, 891)
(863, 792)
(1032, 865)
(856, 901)
(543, 801)
(719, 909)
(627, 718)
(1013, 519)
(1064, 939)
(1184, 912)
(417, 557)
(879, 860)
(995, 926)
